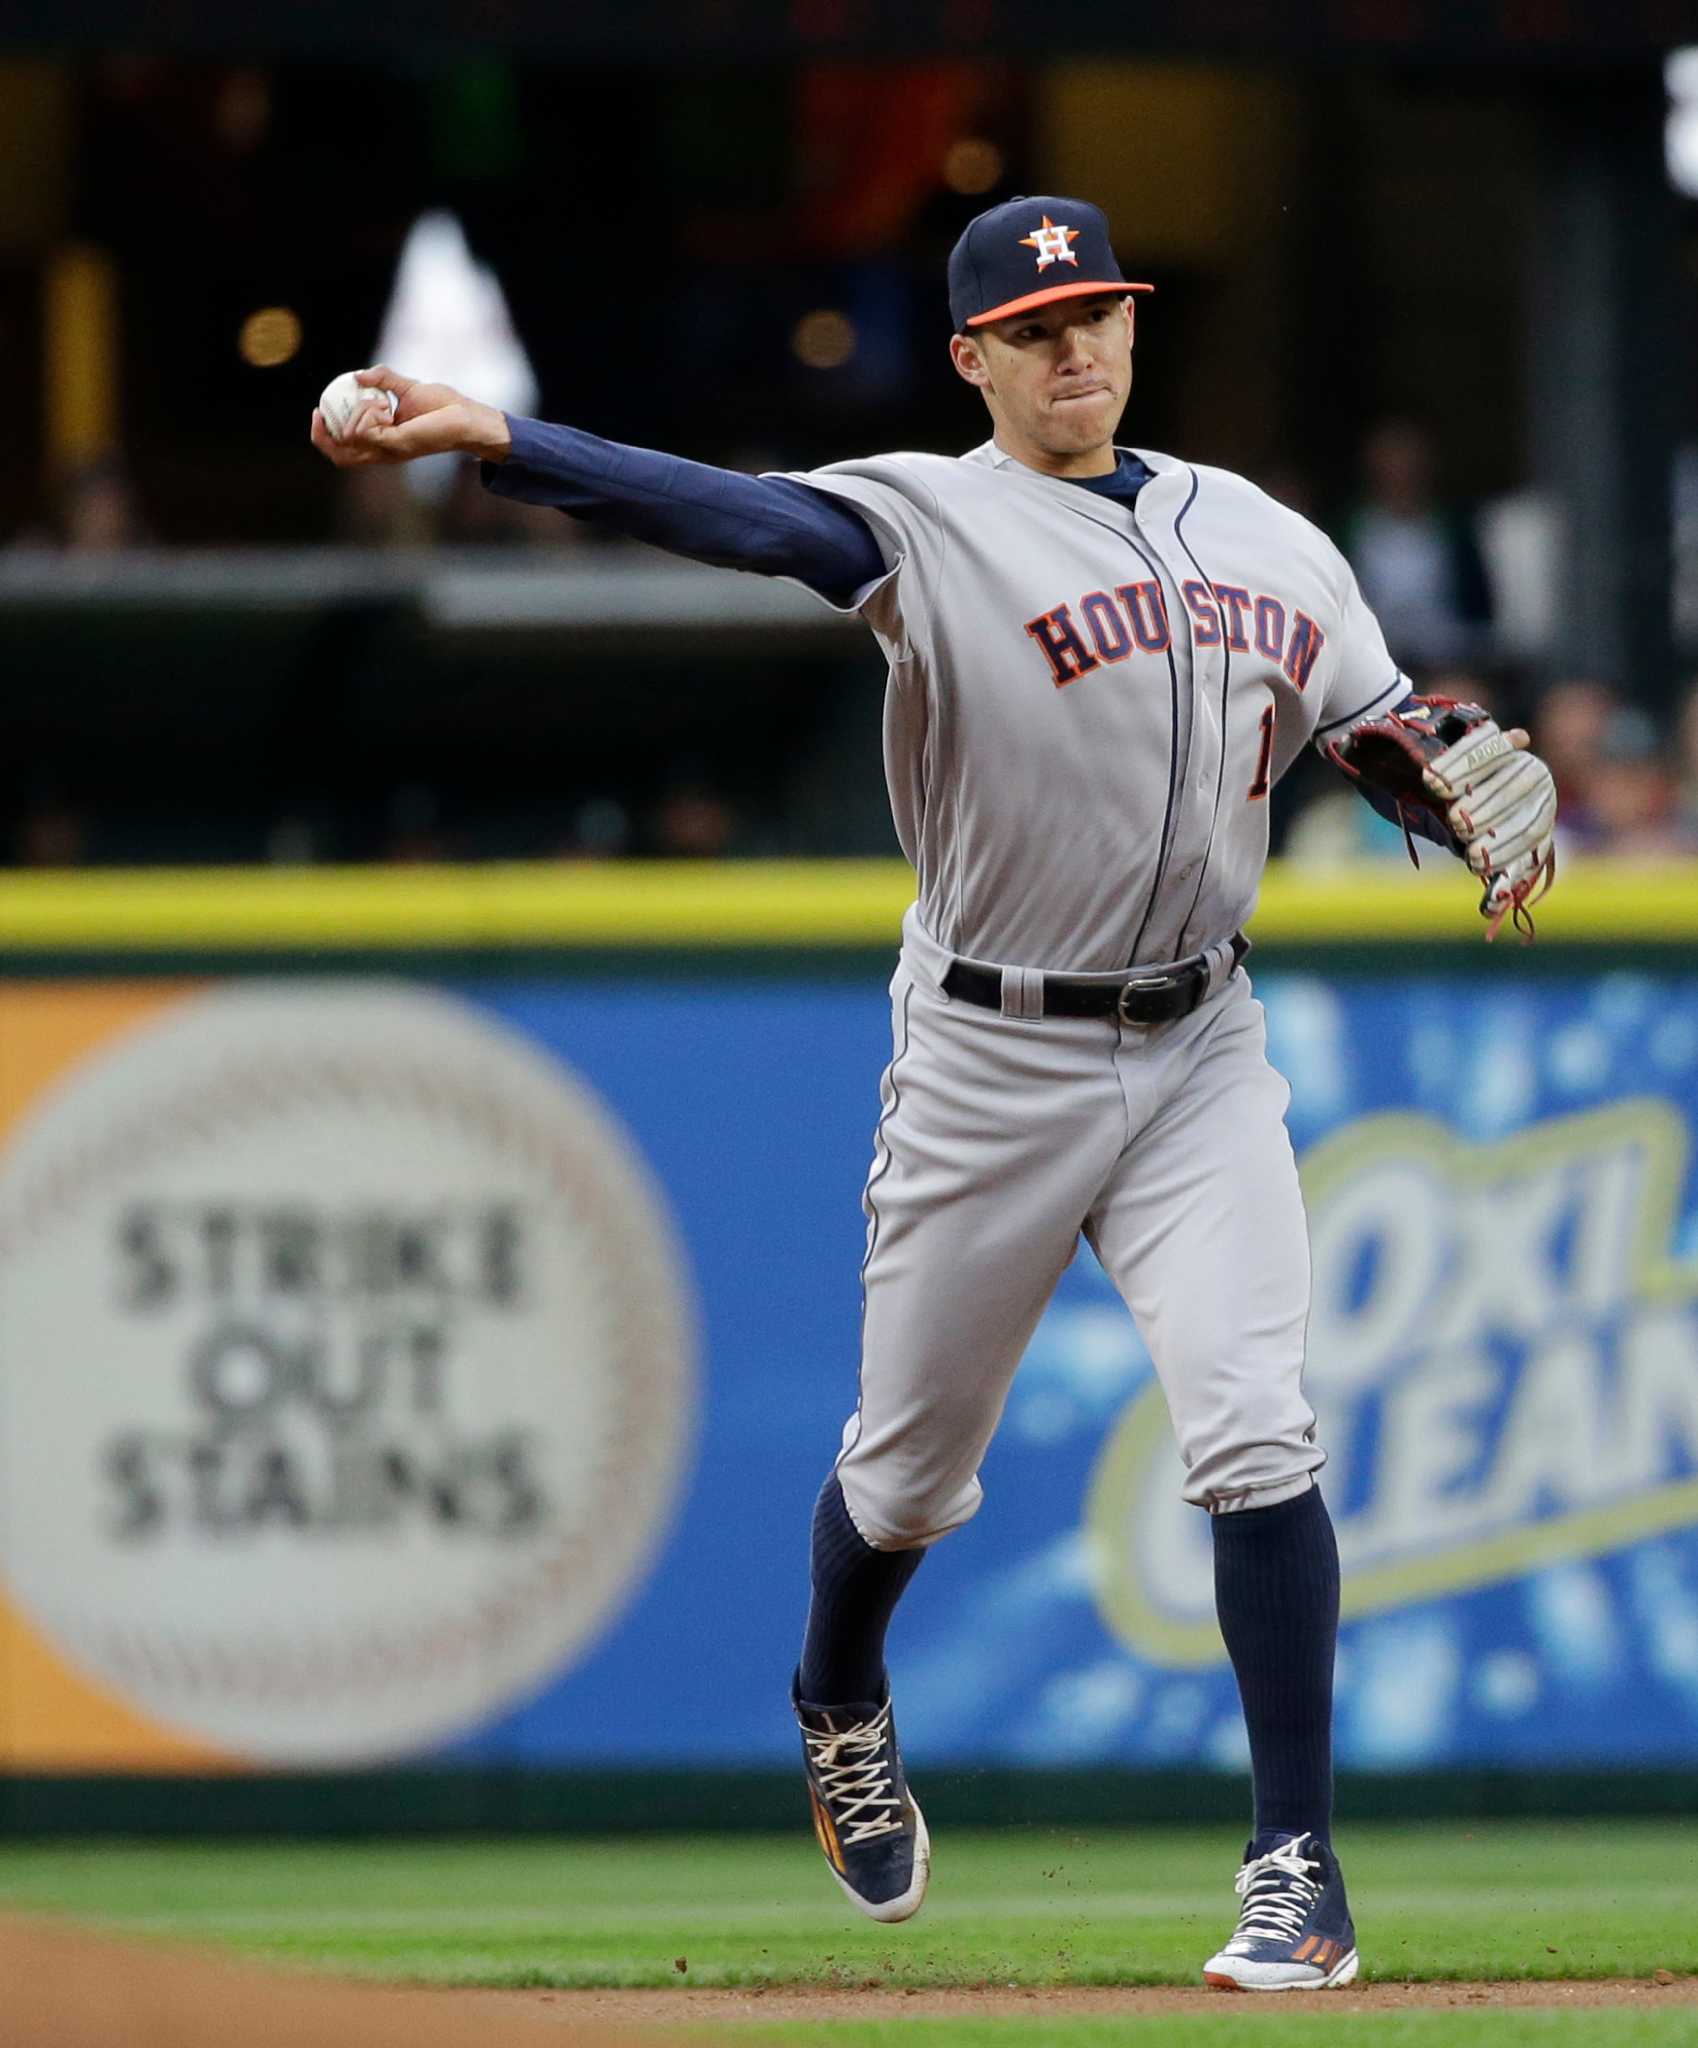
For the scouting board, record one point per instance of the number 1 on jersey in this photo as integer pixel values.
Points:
(1264, 757)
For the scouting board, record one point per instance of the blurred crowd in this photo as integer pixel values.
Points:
(96, 509)
(1460, 592)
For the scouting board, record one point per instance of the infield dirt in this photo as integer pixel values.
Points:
(706, 2008)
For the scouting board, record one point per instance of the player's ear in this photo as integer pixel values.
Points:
(968, 358)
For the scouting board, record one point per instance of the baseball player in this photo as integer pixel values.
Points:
(1101, 660)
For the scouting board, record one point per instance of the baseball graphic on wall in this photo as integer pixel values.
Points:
(345, 1368)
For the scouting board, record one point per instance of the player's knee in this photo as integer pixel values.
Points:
(903, 1517)
(1244, 1428)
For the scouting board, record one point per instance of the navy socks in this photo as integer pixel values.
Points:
(1276, 1592)
(855, 1591)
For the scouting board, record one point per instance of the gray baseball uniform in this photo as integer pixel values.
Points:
(1094, 684)
(1088, 703)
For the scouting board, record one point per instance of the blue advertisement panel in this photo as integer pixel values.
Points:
(1503, 1354)
(448, 1371)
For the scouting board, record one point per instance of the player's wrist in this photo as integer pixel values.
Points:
(488, 435)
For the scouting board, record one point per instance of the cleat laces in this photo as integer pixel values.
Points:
(853, 1768)
(1277, 1889)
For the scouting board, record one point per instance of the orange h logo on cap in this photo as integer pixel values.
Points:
(1051, 243)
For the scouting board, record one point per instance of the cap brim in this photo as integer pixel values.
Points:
(1117, 287)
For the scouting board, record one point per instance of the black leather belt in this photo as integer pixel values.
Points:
(1155, 998)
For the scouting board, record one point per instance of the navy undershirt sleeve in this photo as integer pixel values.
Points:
(771, 525)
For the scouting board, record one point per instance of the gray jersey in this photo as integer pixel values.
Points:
(1089, 701)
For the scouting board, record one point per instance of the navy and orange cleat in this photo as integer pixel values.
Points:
(1294, 1931)
(873, 1834)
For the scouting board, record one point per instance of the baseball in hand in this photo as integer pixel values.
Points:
(342, 398)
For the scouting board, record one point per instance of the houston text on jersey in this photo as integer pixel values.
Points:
(1135, 616)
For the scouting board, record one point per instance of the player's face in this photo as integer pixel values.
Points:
(1056, 380)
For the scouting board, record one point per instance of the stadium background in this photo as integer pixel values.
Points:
(275, 732)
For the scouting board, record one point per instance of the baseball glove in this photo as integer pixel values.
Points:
(1495, 801)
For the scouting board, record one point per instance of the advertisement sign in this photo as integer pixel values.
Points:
(347, 1367)
(403, 1370)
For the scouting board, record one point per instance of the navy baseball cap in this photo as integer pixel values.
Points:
(1030, 252)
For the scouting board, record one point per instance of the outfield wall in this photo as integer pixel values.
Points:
(428, 1303)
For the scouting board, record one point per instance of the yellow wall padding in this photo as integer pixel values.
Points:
(644, 904)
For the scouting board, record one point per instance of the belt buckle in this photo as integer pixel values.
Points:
(1140, 984)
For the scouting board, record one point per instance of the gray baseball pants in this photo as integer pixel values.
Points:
(1002, 1138)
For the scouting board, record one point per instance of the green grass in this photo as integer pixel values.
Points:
(1027, 1907)
(1023, 1907)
